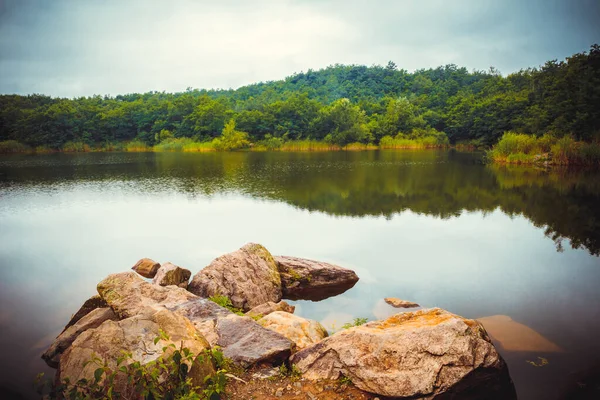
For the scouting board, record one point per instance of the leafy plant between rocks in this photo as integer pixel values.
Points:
(225, 301)
(355, 322)
(289, 372)
(167, 377)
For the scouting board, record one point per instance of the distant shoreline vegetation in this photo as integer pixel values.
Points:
(348, 107)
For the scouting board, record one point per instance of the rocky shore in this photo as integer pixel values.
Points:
(429, 353)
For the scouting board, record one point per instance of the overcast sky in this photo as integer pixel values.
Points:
(74, 48)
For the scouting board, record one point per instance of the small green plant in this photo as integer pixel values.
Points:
(344, 380)
(355, 322)
(167, 377)
(225, 301)
(289, 372)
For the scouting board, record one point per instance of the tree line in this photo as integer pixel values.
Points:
(340, 104)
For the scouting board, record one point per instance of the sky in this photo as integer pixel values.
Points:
(71, 48)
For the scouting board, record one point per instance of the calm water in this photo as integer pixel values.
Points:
(438, 228)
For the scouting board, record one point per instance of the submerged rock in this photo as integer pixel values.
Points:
(241, 338)
(248, 276)
(303, 332)
(88, 306)
(303, 279)
(426, 354)
(171, 274)
(397, 303)
(146, 267)
(135, 335)
(128, 294)
(514, 336)
(92, 320)
(269, 307)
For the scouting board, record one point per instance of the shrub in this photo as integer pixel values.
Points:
(12, 146)
(355, 322)
(231, 139)
(137, 145)
(225, 301)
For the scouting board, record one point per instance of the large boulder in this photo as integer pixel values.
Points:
(248, 276)
(269, 307)
(303, 332)
(135, 335)
(241, 338)
(128, 294)
(171, 274)
(146, 267)
(88, 306)
(92, 320)
(303, 279)
(426, 354)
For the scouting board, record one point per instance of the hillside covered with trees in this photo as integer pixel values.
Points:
(340, 104)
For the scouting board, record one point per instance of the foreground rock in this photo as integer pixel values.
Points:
(135, 335)
(128, 294)
(397, 303)
(171, 274)
(92, 320)
(427, 354)
(146, 267)
(241, 338)
(269, 307)
(88, 306)
(248, 276)
(303, 279)
(303, 332)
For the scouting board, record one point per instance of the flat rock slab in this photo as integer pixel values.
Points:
(146, 267)
(398, 303)
(135, 335)
(303, 332)
(303, 279)
(425, 354)
(248, 276)
(128, 294)
(241, 338)
(269, 307)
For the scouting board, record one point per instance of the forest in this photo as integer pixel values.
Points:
(341, 105)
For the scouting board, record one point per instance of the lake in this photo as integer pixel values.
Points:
(436, 227)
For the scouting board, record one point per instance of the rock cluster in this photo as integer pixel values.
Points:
(427, 354)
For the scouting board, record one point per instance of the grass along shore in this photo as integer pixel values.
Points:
(517, 148)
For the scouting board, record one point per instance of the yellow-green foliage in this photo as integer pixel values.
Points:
(515, 148)
(43, 150)
(231, 139)
(308, 145)
(137, 145)
(12, 146)
(418, 138)
(76, 147)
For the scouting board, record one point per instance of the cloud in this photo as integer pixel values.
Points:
(69, 48)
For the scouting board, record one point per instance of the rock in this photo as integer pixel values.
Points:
(514, 336)
(89, 305)
(428, 354)
(248, 276)
(171, 274)
(303, 279)
(303, 332)
(128, 294)
(240, 338)
(269, 307)
(266, 373)
(90, 321)
(397, 303)
(135, 335)
(146, 267)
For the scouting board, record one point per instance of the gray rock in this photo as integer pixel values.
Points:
(303, 332)
(92, 320)
(146, 267)
(241, 338)
(248, 276)
(428, 354)
(303, 279)
(171, 274)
